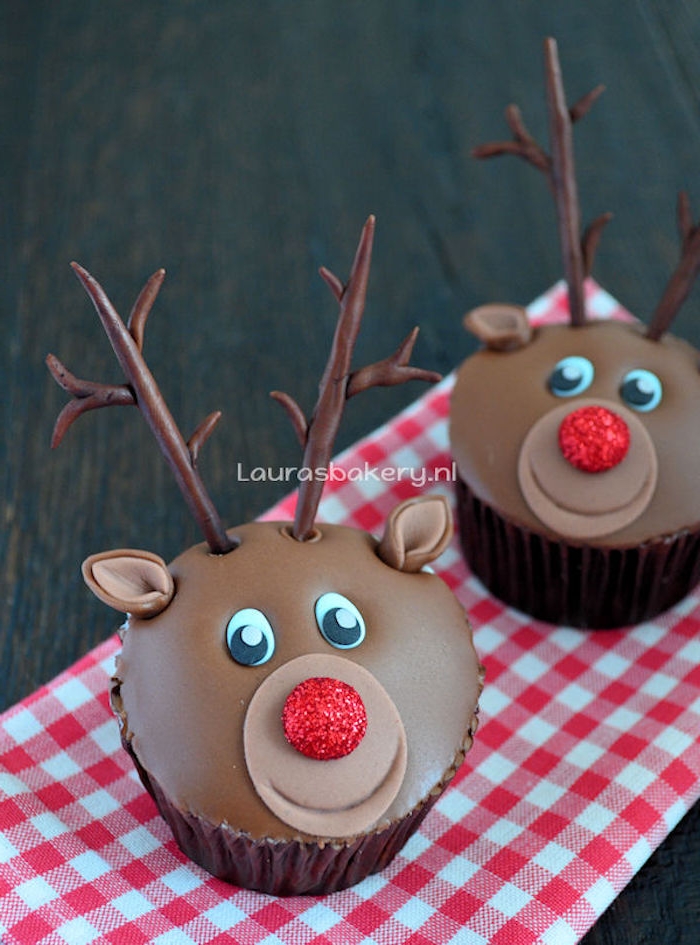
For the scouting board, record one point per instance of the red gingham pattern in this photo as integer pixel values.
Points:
(587, 756)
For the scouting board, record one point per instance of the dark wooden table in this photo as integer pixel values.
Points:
(241, 145)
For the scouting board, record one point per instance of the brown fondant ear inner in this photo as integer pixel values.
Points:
(132, 581)
(500, 326)
(417, 531)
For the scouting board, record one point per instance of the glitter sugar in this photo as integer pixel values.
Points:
(594, 439)
(324, 718)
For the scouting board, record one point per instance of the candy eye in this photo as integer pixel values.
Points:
(641, 390)
(249, 637)
(571, 376)
(339, 621)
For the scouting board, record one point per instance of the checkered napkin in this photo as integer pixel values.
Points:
(587, 756)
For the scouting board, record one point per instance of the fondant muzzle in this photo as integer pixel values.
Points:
(561, 450)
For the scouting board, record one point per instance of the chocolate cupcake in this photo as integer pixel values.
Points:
(276, 686)
(290, 730)
(576, 445)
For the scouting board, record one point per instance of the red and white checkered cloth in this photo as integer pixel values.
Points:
(587, 756)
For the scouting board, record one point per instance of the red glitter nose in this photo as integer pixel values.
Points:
(324, 718)
(594, 439)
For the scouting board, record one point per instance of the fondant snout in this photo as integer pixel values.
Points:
(588, 471)
(325, 746)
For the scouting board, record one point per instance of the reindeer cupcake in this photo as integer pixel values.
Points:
(578, 445)
(276, 687)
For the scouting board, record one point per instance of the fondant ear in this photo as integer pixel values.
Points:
(417, 531)
(134, 582)
(500, 326)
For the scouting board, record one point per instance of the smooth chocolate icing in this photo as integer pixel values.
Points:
(186, 706)
(500, 397)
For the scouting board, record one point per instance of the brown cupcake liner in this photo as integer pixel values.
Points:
(571, 584)
(289, 867)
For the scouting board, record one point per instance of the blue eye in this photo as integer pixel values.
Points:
(249, 637)
(571, 376)
(339, 621)
(641, 390)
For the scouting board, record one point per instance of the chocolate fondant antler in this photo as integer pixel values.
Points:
(578, 251)
(142, 391)
(339, 383)
(679, 285)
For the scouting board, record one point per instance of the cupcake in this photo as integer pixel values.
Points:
(576, 445)
(276, 683)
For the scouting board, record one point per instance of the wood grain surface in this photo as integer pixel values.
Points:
(241, 145)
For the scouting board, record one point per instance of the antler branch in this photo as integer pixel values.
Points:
(338, 383)
(88, 395)
(142, 307)
(141, 389)
(201, 435)
(295, 414)
(558, 168)
(585, 103)
(681, 282)
(325, 419)
(591, 238)
(564, 183)
(523, 144)
(392, 370)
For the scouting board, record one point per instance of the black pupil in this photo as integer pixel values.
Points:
(341, 627)
(633, 391)
(243, 650)
(565, 378)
